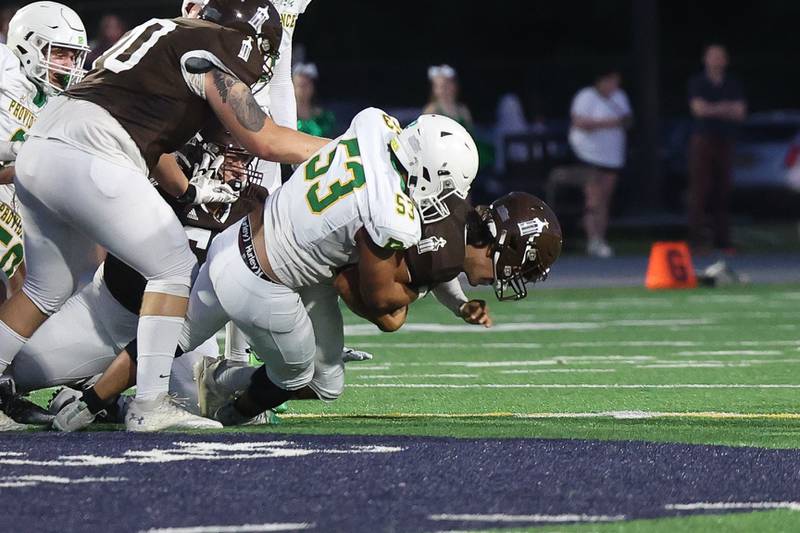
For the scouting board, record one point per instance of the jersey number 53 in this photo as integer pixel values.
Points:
(323, 192)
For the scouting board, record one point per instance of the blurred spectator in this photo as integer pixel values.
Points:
(311, 118)
(510, 121)
(5, 16)
(600, 114)
(444, 100)
(718, 105)
(110, 30)
(444, 95)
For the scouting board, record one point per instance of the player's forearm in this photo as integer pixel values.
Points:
(451, 295)
(285, 145)
(347, 285)
(170, 176)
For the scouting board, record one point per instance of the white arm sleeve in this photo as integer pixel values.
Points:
(282, 105)
(451, 295)
(9, 150)
(236, 345)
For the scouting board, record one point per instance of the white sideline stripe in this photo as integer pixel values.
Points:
(718, 506)
(577, 386)
(732, 352)
(510, 518)
(403, 376)
(621, 415)
(557, 370)
(244, 528)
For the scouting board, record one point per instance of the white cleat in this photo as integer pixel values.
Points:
(74, 416)
(8, 424)
(163, 413)
(350, 354)
(64, 396)
(210, 396)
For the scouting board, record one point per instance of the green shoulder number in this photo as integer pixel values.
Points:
(321, 197)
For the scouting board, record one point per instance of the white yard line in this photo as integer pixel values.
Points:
(512, 518)
(404, 376)
(558, 370)
(729, 506)
(730, 352)
(244, 528)
(576, 386)
(422, 327)
(621, 415)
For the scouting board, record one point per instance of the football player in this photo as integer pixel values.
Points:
(360, 199)
(145, 98)
(83, 337)
(509, 244)
(44, 55)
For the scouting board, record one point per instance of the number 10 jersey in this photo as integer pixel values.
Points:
(311, 221)
(149, 82)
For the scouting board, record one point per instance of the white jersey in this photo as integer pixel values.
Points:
(20, 99)
(20, 103)
(277, 98)
(310, 223)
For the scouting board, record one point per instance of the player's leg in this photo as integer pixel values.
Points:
(78, 342)
(237, 349)
(322, 305)
(117, 207)
(56, 254)
(275, 323)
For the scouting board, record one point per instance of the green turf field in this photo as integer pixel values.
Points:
(716, 366)
(710, 366)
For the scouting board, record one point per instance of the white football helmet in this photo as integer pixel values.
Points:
(187, 6)
(441, 160)
(39, 27)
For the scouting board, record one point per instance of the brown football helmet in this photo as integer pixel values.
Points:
(256, 18)
(526, 242)
(216, 140)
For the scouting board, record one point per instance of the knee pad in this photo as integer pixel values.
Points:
(46, 303)
(178, 286)
(176, 281)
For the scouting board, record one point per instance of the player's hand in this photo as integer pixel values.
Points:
(209, 189)
(476, 312)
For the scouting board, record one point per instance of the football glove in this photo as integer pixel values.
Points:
(206, 187)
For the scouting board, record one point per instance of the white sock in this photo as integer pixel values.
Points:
(236, 345)
(11, 343)
(157, 338)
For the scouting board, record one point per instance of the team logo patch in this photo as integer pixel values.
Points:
(259, 18)
(247, 47)
(431, 244)
(533, 227)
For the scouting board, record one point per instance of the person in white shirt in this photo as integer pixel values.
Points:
(600, 115)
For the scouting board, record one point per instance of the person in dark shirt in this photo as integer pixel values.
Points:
(718, 105)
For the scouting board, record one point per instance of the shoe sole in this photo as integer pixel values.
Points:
(176, 427)
(203, 392)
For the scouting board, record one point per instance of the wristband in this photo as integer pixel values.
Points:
(189, 196)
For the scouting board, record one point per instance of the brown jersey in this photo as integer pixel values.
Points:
(144, 80)
(438, 257)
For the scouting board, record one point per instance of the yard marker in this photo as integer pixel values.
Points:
(670, 267)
